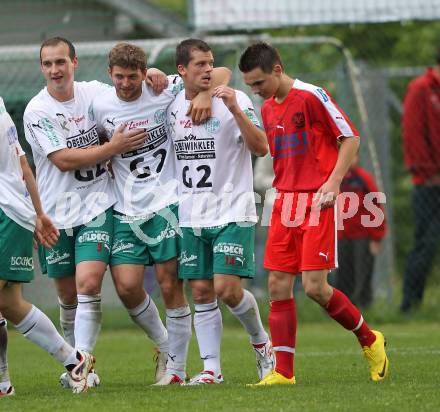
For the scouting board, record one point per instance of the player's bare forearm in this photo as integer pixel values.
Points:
(331, 188)
(347, 151)
(220, 77)
(121, 142)
(201, 106)
(157, 80)
(31, 185)
(253, 136)
(73, 159)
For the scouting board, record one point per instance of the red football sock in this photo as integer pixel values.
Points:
(282, 325)
(340, 308)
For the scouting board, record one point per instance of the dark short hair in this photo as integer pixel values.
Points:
(259, 55)
(184, 49)
(54, 41)
(127, 56)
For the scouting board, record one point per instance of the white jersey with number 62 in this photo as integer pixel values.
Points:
(213, 165)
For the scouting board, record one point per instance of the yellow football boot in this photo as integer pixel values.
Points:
(377, 358)
(275, 378)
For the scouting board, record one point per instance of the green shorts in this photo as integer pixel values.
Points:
(16, 261)
(227, 249)
(89, 242)
(144, 242)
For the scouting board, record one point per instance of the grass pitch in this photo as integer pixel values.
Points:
(331, 375)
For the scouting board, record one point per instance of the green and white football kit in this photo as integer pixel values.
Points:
(216, 200)
(17, 214)
(217, 215)
(145, 217)
(17, 223)
(72, 199)
(144, 179)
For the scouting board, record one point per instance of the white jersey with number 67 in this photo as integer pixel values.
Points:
(144, 178)
(213, 165)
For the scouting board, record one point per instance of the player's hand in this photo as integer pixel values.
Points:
(157, 80)
(47, 234)
(374, 247)
(123, 141)
(227, 94)
(327, 194)
(200, 108)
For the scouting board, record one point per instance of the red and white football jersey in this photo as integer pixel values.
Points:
(303, 132)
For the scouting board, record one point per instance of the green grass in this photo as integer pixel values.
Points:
(331, 375)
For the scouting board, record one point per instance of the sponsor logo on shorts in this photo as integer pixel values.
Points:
(229, 248)
(186, 260)
(55, 257)
(233, 253)
(22, 263)
(94, 237)
(167, 233)
(121, 246)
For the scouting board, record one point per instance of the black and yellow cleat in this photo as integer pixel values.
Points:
(377, 358)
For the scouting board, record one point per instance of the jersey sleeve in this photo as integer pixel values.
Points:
(19, 149)
(96, 115)
(248, 108)
(98, 87)
(175, 84)
(326, 112)
(43, 133)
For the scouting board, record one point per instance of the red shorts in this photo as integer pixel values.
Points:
(301, 237)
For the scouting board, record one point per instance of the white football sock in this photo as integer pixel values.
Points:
(249, 316)
(147, 317)
(179, 334)
(87, 322)
(67, 321)
(38, 328)
(208, 326)
(4, 371)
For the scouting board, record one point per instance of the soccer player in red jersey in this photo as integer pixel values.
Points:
(312, 143)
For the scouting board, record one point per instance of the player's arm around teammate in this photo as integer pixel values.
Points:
(71, 166)
(254, 137)
(217, 251)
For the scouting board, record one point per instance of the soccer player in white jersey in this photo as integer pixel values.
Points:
(145, 212)
(216, 207)
(20, 214)
(74, 187)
